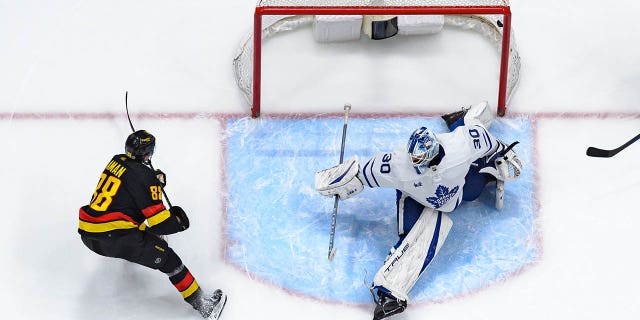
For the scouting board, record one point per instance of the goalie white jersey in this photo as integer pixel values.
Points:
(441, 186)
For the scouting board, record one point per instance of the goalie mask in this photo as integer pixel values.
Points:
(423, 146)
(140, 146)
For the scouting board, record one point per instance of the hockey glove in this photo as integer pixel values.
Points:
(341, 180)
(162, 178)
(507, 164)
(181, 217)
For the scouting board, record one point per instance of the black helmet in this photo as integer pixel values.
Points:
(139, 145)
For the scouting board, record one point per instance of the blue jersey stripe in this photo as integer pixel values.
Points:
(487, 139)
(364, 172)
(342, 175)
(372, 175)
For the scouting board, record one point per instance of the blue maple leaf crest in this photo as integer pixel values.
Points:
(443, 195)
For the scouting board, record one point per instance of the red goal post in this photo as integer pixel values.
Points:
(492, 18)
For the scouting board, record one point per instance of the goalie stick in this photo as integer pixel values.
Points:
(601, 153)
(332, 250)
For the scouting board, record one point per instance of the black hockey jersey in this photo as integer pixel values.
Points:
(128, 193)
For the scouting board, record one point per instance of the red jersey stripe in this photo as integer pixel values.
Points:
(111, 216)
(153, 209)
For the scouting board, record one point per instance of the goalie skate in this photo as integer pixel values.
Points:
(387, 306)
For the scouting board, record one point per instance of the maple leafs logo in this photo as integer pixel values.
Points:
(443, 195)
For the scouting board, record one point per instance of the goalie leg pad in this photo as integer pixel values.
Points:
(404, 265)
(341, 180)
(480, 112)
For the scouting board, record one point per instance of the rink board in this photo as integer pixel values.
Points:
(278, 227)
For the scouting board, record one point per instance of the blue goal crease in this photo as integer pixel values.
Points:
(279, 226)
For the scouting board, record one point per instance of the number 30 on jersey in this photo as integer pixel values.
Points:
(476, 138)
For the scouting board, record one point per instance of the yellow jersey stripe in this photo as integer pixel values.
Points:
(158, 217)
(105, 227)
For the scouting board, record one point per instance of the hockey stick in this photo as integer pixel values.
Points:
(126, 106)
(601, 153)
(332, 250)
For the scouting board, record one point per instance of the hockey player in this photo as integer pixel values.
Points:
(432, 175)
(129, 193)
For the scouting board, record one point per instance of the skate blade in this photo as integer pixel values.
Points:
(217, 310)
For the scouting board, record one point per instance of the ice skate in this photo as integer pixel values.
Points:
(452, 117)
(210, 307)
(387, 306)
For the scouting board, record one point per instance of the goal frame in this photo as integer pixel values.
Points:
(505, 11)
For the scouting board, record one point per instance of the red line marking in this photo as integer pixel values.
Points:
(534, 117)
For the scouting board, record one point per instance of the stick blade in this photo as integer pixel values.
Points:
(598, 153)
(332, 253)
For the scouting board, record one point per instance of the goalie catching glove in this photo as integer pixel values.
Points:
(508, 165)
(341, 180)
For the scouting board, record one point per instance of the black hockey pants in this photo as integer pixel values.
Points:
(137, 246)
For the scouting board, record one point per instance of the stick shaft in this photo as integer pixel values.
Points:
(163, 192)
(334, 218)
(126, 105)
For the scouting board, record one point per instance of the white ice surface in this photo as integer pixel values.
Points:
(64, 67)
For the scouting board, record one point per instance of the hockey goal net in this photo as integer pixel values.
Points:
(490, 18)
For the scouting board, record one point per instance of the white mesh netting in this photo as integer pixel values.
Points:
(489, 26)
(364, 3)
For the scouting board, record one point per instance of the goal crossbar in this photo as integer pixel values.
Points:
(262, 11)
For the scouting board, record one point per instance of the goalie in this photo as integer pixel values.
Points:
(432, 175)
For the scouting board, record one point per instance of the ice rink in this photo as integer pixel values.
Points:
(563, 248)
